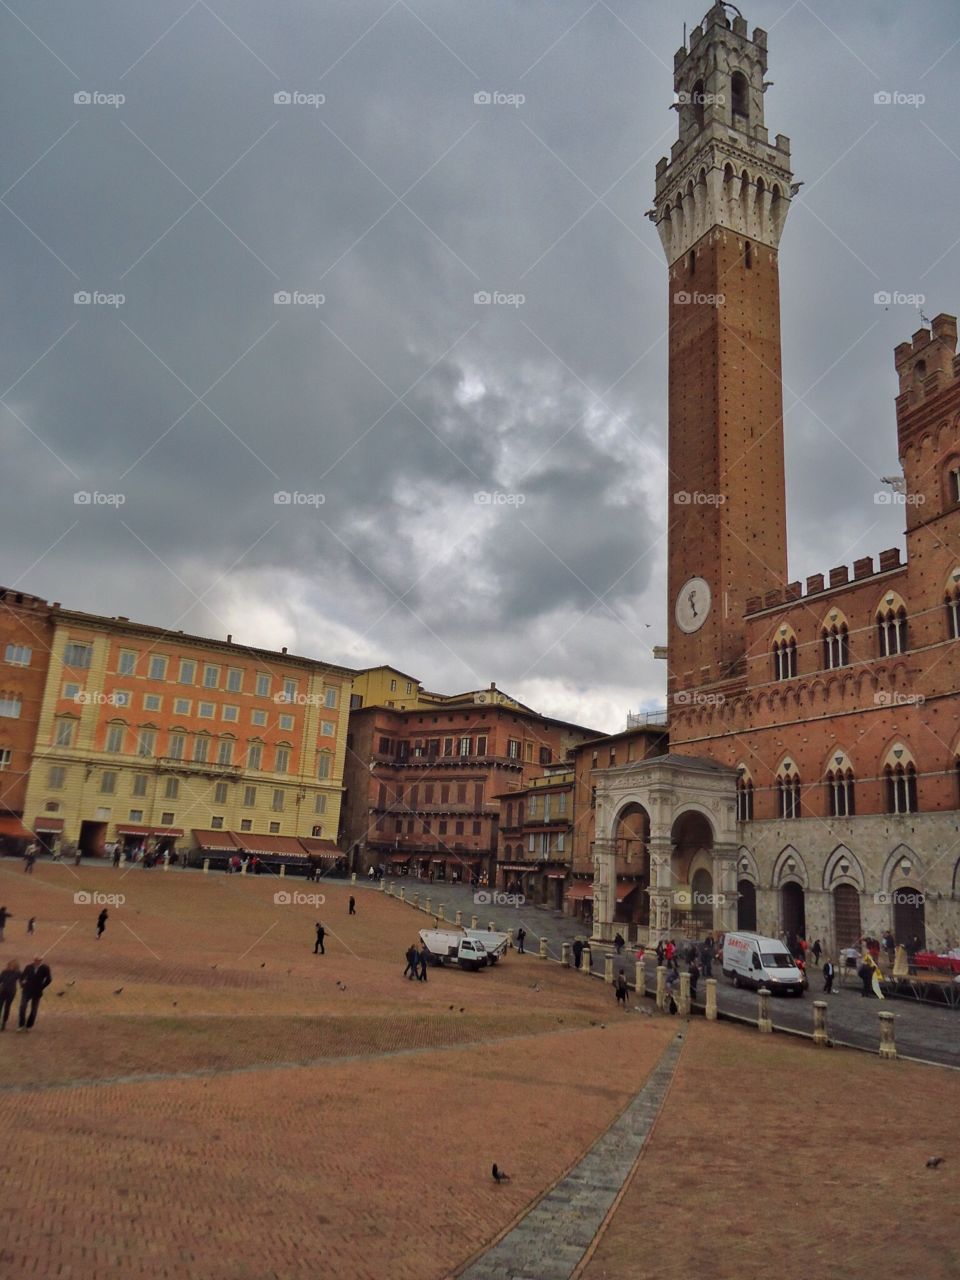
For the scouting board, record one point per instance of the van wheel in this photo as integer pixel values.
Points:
(736, 980)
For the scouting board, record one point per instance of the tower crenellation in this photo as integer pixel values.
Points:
(723, 171)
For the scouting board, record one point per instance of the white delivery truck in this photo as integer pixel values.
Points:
(445, 946)
(494, 942)
(754, 961)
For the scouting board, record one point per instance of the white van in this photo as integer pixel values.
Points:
(754, 961)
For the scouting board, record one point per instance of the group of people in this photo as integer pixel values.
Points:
(417, 960)
(31, 982)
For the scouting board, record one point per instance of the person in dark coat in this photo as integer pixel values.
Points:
(5, 915)
(521, 934)
(618, 943)
(865, 974)
(318, 947)
(101, 922)
(577, 952)
(423, 956)
(621, 988)
(9, 981)
(412, 960)
(817, 951)
(706, 957)
(828, 974)
(353, 907)
(34, 980)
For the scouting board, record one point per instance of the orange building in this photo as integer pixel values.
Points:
(26, 634)
(155, 738)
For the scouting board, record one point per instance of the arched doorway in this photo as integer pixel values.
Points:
(848, 929)
(747, 906)
(793, 910)
(692, 838)
(701, 912)
(909, 917)
(631, 836)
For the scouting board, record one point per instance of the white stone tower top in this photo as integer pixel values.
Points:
(722, 170)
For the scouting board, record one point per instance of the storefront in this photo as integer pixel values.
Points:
(14, 836)
(49, 834)
(218, 846)
(136, 840)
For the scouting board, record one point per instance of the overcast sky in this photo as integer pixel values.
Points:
(398, 398)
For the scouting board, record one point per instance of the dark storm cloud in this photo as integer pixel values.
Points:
(400, 398)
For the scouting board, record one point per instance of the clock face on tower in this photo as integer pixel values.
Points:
(693, 605)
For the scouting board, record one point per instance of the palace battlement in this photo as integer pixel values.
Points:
(818, 584)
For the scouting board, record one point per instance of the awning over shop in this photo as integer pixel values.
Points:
(318, 848)
(48, 825)
(138, 829)
(624, 890)
(11, 826)
(216, 841)
(580, 889)
(287, 847)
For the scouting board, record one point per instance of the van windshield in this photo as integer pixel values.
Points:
(777, 960)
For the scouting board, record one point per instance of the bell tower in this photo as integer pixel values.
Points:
(720, 206)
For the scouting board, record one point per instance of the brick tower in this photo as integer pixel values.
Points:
(721, 202)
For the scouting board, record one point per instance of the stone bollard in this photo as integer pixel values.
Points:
(543, 949)
(585, 961)
(459, 917)
(711, 1009)
(243, 867)
(383, 885)
(440, 915)
(509, 939)
(888, 1045)
(491, 926)
(416, 900)
(427, 908)
(283, 868)
(565, 955)
(763, 1011)
(473, 922)
(661, 987)
(683, 1002)
(820, 1024)
(206, 865)
(166, 862)
(608, 968)
(353, 877)
(403, 894)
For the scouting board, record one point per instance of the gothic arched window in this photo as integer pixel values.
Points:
(739, 91)
(785, 657)
(788, 791)
(840, 782)
(836, 642)
(900, 780)
(892, 627)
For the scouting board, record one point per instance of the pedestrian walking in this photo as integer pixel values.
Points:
(706, 957)
(865, 974)
(424, 956)
(29, 858)
(521, 934)
(621, 989)
(318, 947)
(577, 952)
(9, 981)
(30, 924)
(661, 952)
(34, 981)
(116, 855)
(828, 974)
(412, 960)
(5, 915)
(619, 943)
(353, 907)
(371, 873)
(101, 922)
(817, 951)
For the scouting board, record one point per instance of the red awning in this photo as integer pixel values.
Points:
(289, 846)
(216, 841)
(11, 826)
(580, 889)
(318, 848)
(48, 824)
(624, 890)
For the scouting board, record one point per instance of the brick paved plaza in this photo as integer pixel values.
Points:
(206, 1098)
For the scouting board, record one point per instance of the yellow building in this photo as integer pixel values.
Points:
(386, 687)
(158, 740)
